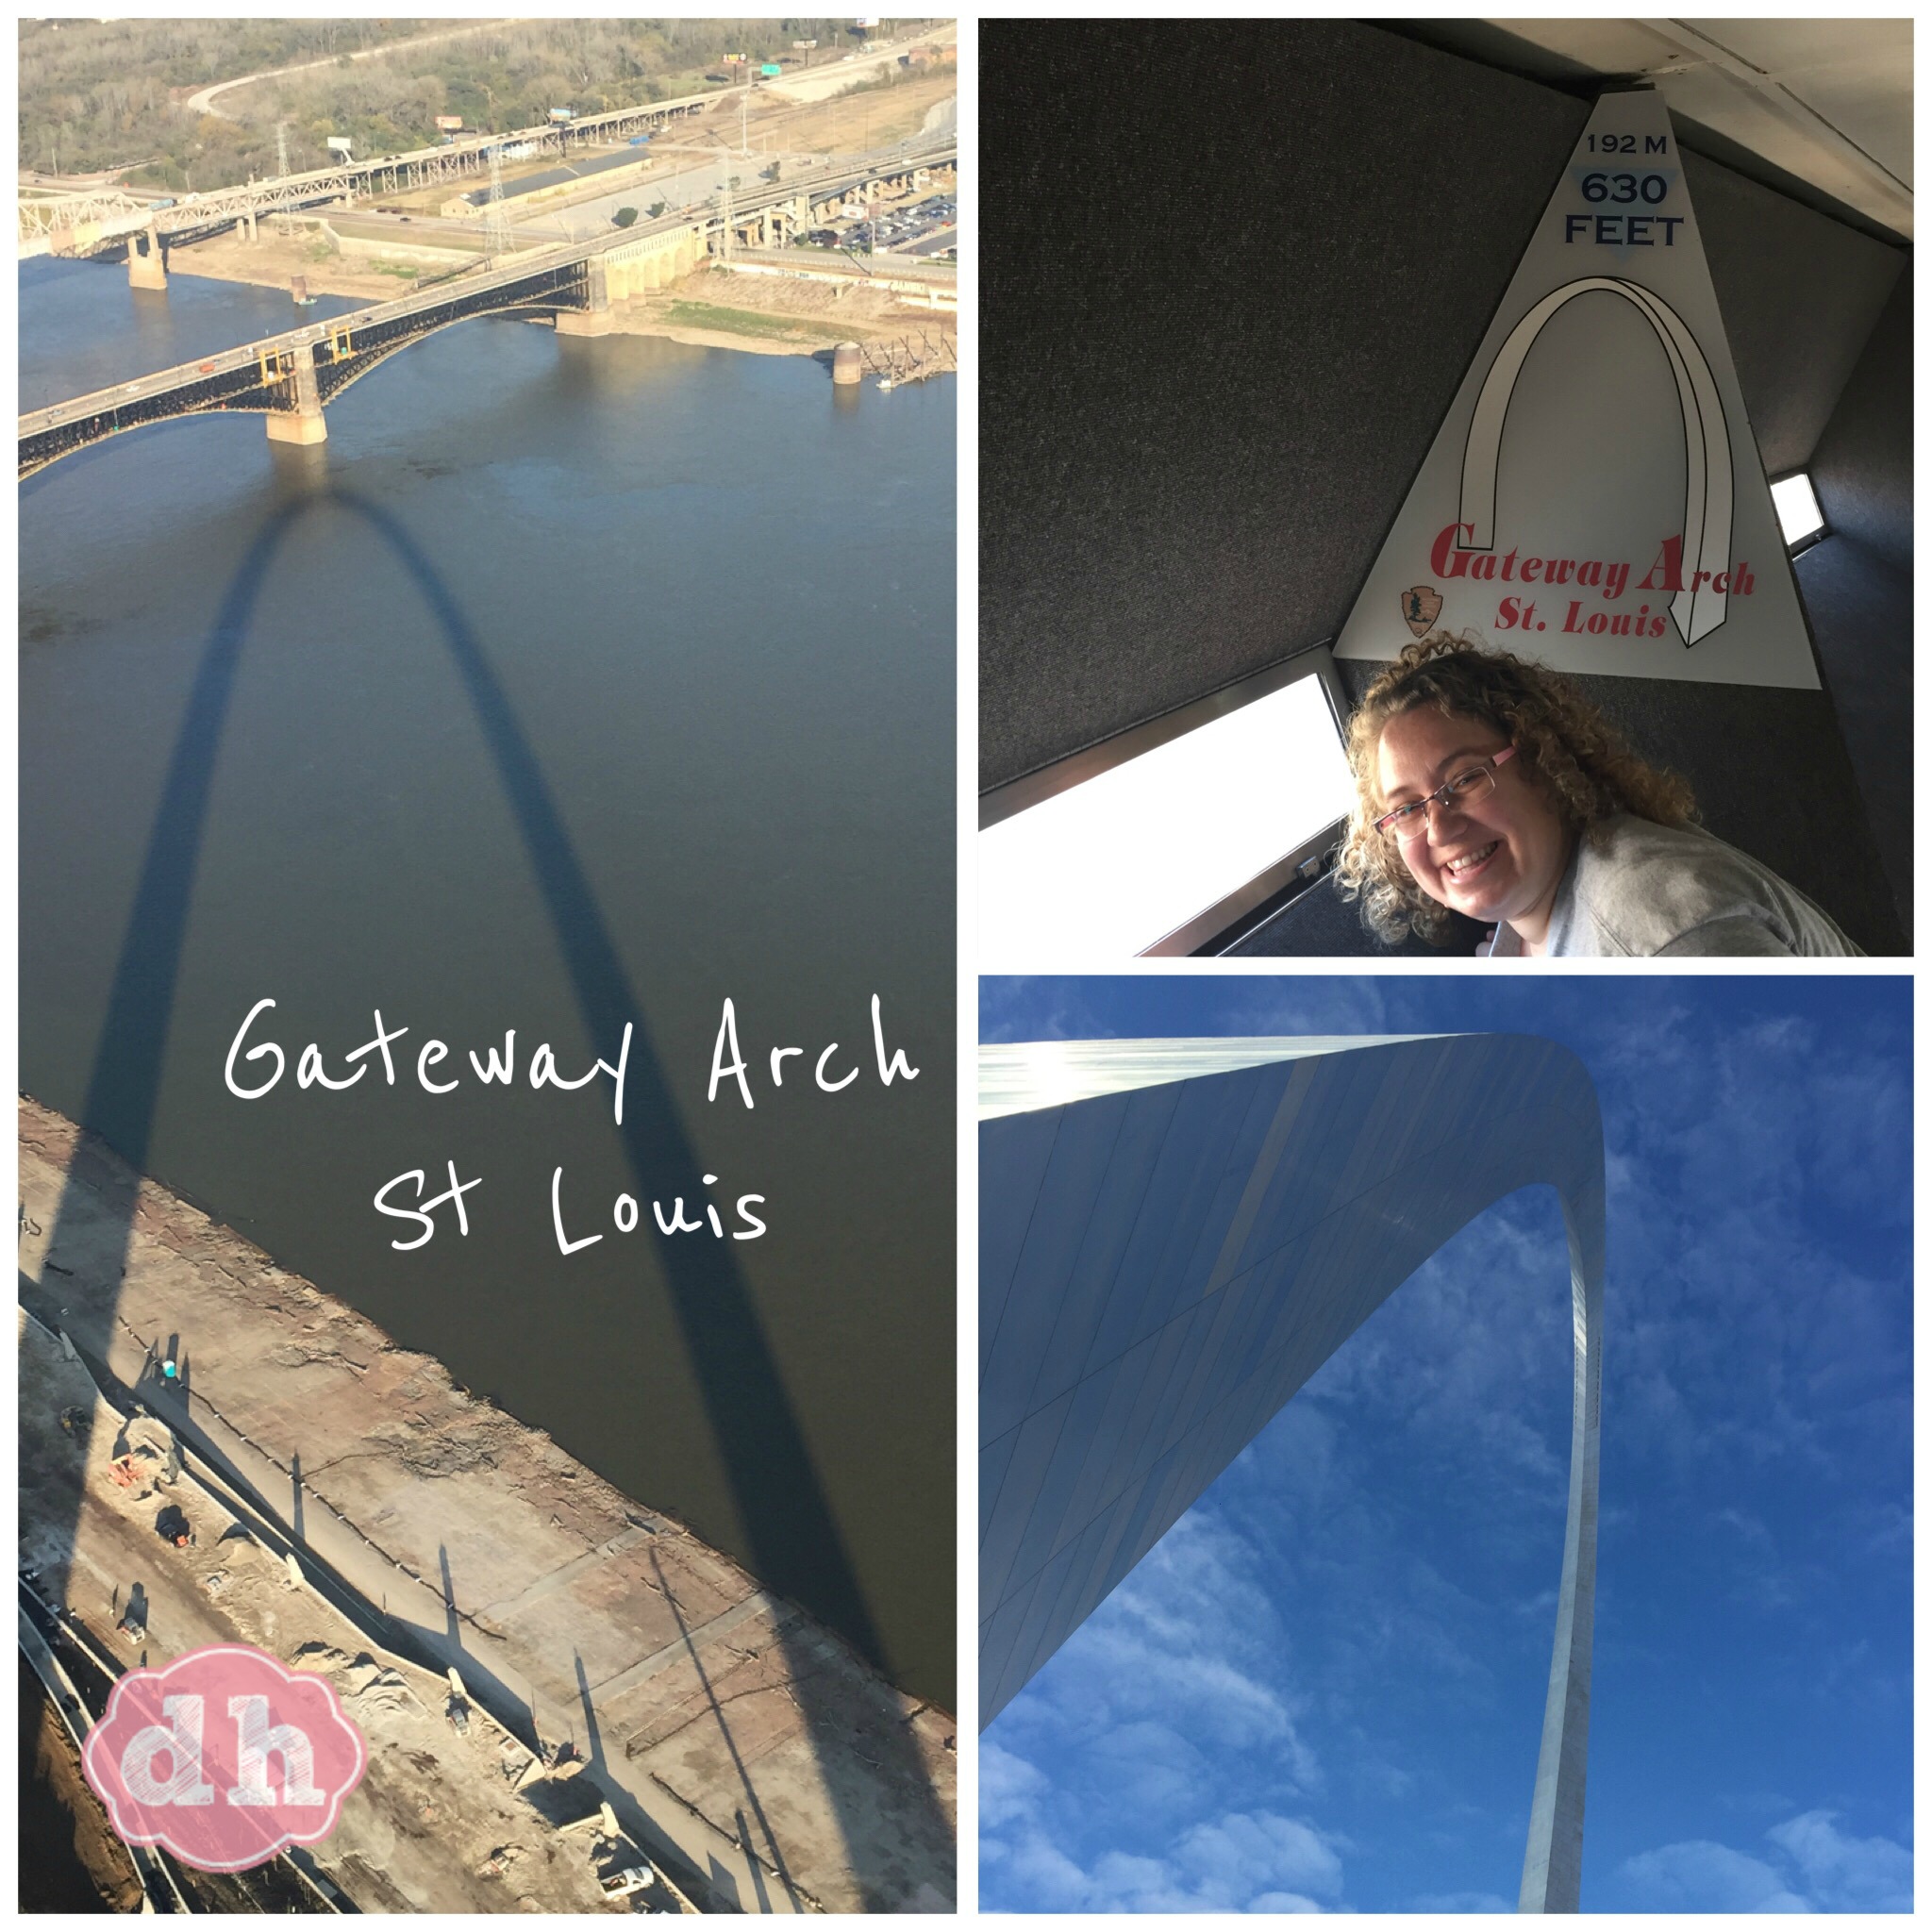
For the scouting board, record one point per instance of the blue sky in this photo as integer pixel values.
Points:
(1323, 1689)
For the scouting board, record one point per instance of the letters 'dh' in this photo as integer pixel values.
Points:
(223, 1757)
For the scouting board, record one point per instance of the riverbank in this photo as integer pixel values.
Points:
(764, 315)
(733, 1736)
(512, 1829)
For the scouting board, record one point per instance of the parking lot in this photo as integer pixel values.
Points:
(928, 228)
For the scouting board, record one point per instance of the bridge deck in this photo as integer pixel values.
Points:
(529, 267)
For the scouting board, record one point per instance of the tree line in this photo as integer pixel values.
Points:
(101, 94)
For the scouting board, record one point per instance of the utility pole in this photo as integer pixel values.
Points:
(281, 150)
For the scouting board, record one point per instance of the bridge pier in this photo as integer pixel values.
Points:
(594, 318)
(304, 423)
(147, 266)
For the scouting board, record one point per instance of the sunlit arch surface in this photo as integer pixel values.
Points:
(1174, 1235)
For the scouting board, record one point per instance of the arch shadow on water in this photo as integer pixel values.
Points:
(761, 1445)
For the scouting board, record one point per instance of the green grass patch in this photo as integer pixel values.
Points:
(741, 322)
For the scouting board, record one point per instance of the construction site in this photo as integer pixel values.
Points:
(606, 1714)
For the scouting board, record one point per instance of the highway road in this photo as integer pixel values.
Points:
(204, 102)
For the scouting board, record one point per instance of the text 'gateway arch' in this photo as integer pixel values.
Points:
(1175, 1234)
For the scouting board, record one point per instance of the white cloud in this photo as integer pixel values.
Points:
(1813, 1867)
(1846, 1874)
(1248, 1853)
(1701, 1877)
(1242, 1862)
(1009, 1788)
(1034, 1874)
(1191, 1642)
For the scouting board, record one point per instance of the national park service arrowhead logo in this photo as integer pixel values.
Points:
(1421, 606)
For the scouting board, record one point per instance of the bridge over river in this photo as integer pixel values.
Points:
(290, 377)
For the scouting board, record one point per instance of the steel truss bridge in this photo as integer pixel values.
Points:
(302, 369)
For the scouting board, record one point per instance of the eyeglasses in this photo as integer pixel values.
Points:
(1472, 782)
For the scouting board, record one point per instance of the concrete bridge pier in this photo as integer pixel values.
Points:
(147, 266)
(594, 318)
(304, 423)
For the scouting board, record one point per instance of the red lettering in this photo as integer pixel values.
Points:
(1670, 561)
(1445, 560)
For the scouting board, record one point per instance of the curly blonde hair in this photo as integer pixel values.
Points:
(1569, 750)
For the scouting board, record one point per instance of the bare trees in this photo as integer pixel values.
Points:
(110, 93)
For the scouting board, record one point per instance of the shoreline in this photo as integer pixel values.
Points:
(744, 1738)
(821, 318)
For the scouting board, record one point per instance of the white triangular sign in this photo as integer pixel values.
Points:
(1595, 497)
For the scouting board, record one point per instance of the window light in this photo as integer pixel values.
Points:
(1798, 515)
(1105, 870)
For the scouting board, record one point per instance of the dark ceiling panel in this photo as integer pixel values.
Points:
(1800, 294)
(1231, 275)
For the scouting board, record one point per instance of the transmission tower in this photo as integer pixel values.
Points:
(283, 224)
(495, 216)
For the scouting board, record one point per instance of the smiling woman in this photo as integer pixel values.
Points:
(1487, 786)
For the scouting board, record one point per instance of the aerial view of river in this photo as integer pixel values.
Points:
(568, 684)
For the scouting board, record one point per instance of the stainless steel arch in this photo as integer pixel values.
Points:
(1174, 1235)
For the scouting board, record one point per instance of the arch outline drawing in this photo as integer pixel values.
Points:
(1176, 1234)
(1709, 483)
